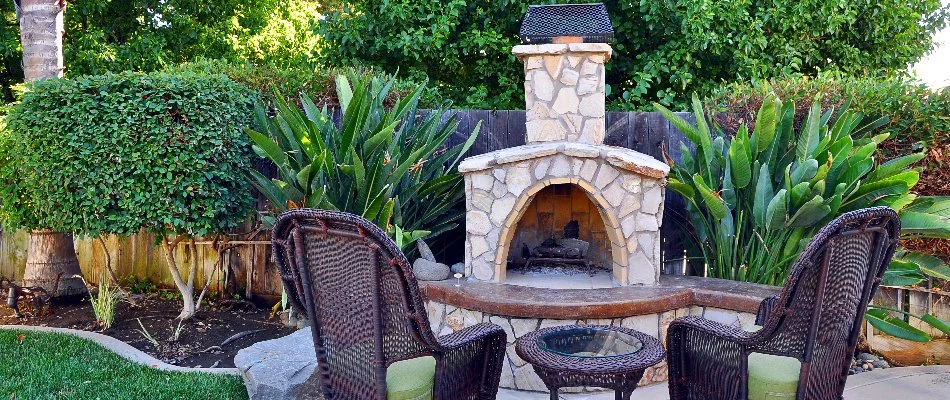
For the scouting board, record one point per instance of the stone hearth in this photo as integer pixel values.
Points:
(626, 186)
(564, 95)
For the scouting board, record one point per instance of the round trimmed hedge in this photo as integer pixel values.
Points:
(116, 153)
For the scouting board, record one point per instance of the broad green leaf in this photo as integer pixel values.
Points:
(804, 171)
(763, 194)
(713, 202)
(316, 199)
(902, 273)
(385, 216)
(939, 324)
(895, 166)
(777, 211)
(929, 265)
(936, 205)
(765, 122)
(681, 188)
(274, 153)
(343, 92)
(741, 166)
(916, 224)
(810, 213)
(809, 137)
(882, 321)
(269, 190)
(681, 124)
(902, 278)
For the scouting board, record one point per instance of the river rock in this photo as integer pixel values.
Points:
(458, 268)
(426, 270)
(277, 368)
(424, 250)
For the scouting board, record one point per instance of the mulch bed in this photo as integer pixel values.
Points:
(203, 341)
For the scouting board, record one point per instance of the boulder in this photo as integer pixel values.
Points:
(424, 251)
(426, 270)
(277, 368)
(457, 268)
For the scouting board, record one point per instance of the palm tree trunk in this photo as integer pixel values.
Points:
(51, 257)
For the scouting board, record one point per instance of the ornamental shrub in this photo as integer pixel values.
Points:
(317, 82)
(390, 165)
(756, 197)
(119, 153)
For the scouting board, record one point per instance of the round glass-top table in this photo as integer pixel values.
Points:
(610, 357)
(583, 341)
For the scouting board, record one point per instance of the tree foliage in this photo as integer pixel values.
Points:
(463, 47)
(663, 49)
(148, 35)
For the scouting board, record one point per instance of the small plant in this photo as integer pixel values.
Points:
(104, 302)
(178, 331)
(144, 332)
(140, 285)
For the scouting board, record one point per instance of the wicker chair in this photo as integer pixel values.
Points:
(359, 291)
(815, 321)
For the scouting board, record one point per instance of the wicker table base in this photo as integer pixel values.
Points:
(618, 372)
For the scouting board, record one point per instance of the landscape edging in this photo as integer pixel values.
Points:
(123, 350)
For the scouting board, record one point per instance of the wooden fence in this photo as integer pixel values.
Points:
(921, 300)
(248, 267)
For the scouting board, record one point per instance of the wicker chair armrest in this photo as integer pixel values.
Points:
(468, 335)
(471, 363)
(706, 359)
(765, 310)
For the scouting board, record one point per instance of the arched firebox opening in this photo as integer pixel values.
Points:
(560, 241)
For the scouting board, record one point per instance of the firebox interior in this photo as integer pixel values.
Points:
(560, 241)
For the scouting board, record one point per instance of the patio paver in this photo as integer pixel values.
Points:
(906, 383)
(653, 392)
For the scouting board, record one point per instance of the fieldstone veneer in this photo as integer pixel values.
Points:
(564, 91)
(565, 133)
(626, 186)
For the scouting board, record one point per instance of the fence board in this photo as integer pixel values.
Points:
(481, 119)
(617, 134)
(517, 132)
(497, 131)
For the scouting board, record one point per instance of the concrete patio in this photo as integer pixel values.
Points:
(907, 383)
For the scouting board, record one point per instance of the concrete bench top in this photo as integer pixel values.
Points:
(673, 292)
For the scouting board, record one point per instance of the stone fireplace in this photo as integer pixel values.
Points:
(514, 212)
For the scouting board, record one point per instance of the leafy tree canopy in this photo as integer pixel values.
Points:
(664, 49)
(147, 35)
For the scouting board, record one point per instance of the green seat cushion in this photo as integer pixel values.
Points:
(772, 377)
(412, 379)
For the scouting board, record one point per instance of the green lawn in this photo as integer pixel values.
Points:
(56, 366)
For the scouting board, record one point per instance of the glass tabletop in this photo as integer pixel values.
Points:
(589, 342)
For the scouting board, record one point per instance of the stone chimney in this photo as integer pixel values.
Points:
(564, 91)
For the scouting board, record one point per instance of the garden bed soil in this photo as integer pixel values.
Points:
(199, 342)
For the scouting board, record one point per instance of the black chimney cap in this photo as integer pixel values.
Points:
(545, 22)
